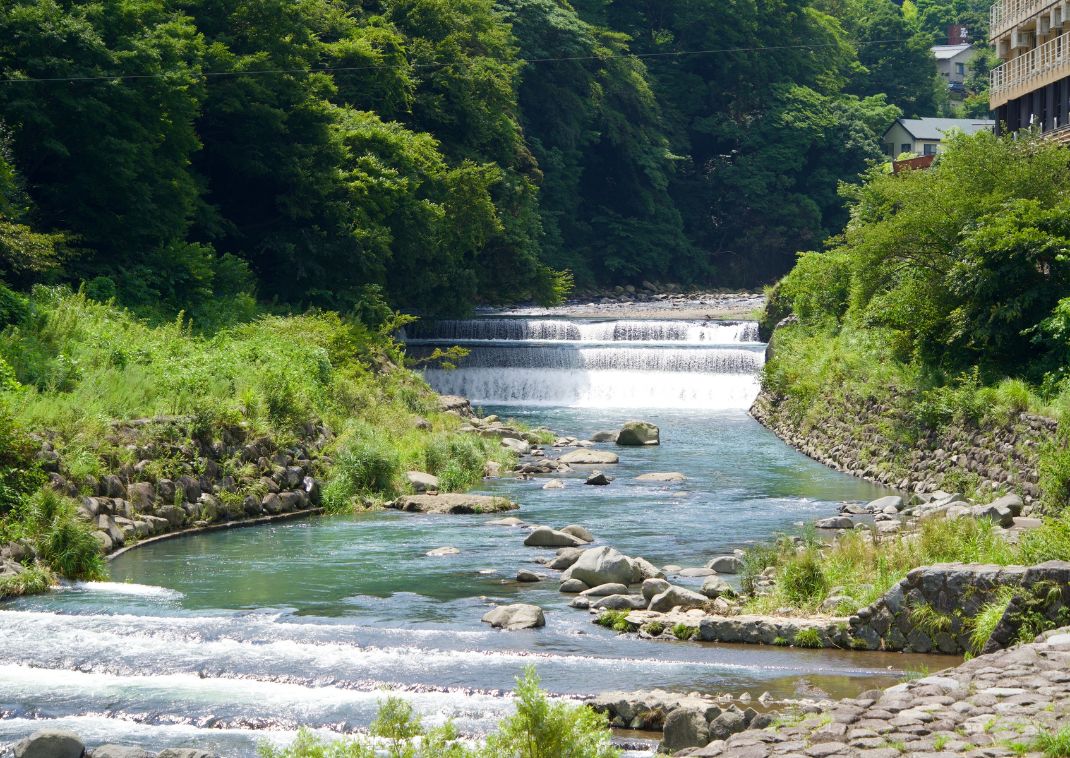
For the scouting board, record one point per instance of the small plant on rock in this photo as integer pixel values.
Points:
(684, 632)
(1053, 744)
(615, 620)
(810, 638)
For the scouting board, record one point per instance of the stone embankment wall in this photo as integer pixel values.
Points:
(858, 440)
(174, 479)
(933, 608)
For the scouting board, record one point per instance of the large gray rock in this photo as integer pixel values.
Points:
(452, 504)
(642, 569)
(638, 434)
(654, 587)
(566, 557)
(725, 564)
(835, 522)
(421, 482)
(604, 437)
(602, 565)
(994, 512)
(677, 597)
(1011, 502)
(572, 586)
(889, 504)
(50, 743)
(604, 590)
(589, 457)
(684, 728)
(515, 617)
(725, 725)
(714, 587)
(520, 447)
(598, 479)
(617, 603)
(142, 495)
(661, 476)
(120, 751)
(544, 536)
(578, 532)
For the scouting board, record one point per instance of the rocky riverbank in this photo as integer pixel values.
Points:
(1011, 702)
(857, 440)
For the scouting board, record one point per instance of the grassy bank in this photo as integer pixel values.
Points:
(72, 370)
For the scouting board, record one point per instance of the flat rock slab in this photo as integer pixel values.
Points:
(589, 457)
(661, 476)
(455, 504)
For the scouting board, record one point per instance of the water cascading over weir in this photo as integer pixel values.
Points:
(707, 365)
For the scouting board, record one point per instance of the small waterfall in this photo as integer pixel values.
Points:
(516, 329)
(621, 364)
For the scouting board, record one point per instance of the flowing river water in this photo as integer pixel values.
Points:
(227, 639)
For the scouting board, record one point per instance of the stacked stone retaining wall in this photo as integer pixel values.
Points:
(861, 439)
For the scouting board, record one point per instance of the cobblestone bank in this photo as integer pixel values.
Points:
(993, 705)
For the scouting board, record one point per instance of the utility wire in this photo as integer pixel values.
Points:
(389, 66)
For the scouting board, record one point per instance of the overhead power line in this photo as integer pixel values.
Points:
(391, 66)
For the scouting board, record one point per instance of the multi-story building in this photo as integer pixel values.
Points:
(1032, 85)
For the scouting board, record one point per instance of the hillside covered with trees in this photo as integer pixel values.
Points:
(203, 156)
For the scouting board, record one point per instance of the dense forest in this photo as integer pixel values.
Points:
(207, 155)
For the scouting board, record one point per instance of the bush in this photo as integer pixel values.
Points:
(802, 579)
(20, 473)
(33, 580)
(538, 729)
(809, 638)
(64, 542)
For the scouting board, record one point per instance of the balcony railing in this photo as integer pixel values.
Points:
(1006, 14)
(1037, 65)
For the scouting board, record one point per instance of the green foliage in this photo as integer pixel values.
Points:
(1053, 744)
(684, 632)
(543, 729)
(64, 542)
(20, 473)
(33, 580)
(615, 620)
(929, 620)
(365, 464)
(809, 638)
(802, 579)
(654, 628)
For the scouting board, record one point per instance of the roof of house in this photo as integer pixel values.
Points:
(947, 52)
(936, 128)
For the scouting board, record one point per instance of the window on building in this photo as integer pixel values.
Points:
(960, 69)
(905, 147)
(930, 149)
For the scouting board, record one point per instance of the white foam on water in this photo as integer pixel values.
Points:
(123, 588)
(598, 389)
(695, 332)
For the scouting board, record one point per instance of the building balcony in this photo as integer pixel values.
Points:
(1031, 70)
(1005, 15)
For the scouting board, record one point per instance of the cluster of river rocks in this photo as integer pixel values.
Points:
(56, 743)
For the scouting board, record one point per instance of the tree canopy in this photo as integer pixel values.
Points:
(197, 154)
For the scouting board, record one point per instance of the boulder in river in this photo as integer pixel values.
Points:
(185, 752)
(642, 569)
(507, 521)
(520, 447)
(420, 481)
(616, 602)
(529, 577)
(578, 532)
(598, 479)
(572, 586)
(602, 565)
(50, 743)
(725, 564)
(603, 590)
(452, 503)
(891, 504)
(835, 522)
(661, 476)
(684, 728)
(604, 437)
(639, 434)
(440, 552)
(514, 617)
(677, 597)
(554, 484)
(589, 457)
(565, 557)
(696, 572)
(654, 587)
(544, 536)
(120, 751)
(715, 587)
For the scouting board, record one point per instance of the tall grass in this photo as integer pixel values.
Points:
(862, 567)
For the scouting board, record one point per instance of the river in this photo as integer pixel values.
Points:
(227, 639)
